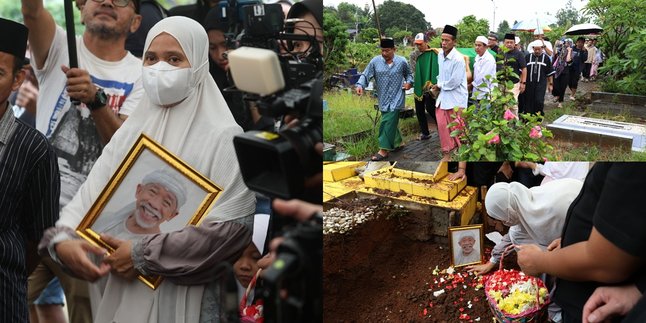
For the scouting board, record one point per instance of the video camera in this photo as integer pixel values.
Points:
(279, 82)
(298, 268)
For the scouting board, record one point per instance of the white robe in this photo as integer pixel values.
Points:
(200, 131)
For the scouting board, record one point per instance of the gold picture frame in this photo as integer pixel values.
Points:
(458, 256)
(145, 166)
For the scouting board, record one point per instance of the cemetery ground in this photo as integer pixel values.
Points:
(351, 124)
(387, 259)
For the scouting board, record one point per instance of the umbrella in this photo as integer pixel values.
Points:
(533, 23)
(584, 29)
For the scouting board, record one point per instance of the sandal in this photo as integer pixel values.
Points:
(378, 157)
(424, 137)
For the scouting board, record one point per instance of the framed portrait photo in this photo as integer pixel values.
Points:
(152, 191)
(465, 243)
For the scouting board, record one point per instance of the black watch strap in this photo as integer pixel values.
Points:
(100, 100)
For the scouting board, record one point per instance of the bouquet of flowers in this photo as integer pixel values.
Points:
(516, 297)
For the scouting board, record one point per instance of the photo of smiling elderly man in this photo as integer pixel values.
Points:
(158, 198)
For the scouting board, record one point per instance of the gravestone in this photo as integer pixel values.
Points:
(629, 136)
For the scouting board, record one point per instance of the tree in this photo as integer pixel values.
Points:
(368, 35)
(503, 28)
(623, 42)
(619, 20)
(401, 15)
(10, 9)
(469, 28)
(351, 14)
(568, 16)
(335, 41)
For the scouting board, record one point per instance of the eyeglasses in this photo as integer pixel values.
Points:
(118, 3)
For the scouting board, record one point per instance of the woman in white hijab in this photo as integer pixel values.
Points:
(535, 215)
(186, 113)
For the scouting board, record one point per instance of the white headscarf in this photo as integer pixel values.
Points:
(199, 130)
(535, 214)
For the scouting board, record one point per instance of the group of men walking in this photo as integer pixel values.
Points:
(393, 75)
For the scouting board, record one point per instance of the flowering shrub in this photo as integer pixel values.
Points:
(515, 293)
(492, 132)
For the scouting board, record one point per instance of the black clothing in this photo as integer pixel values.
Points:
(516, 65)
(196, 11)
(151, 13)
(29, 197)
(579, 56)
(427, 104)
(539, 69)
(610, 200)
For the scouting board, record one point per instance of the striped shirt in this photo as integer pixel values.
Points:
(28, 204)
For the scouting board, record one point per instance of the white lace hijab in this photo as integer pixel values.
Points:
(199, 130)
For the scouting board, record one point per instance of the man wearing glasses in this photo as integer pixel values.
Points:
(493, 43)
(106, 87)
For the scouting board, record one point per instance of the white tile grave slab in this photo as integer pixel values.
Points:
(615, 129)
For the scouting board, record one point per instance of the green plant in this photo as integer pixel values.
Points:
(492, 132)
(335, 41)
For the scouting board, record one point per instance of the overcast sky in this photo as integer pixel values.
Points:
(440, 13)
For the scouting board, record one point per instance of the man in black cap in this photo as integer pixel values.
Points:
(107, 86)
(519, 67)
(452, 84)
(30, 182)
(493, 42)
(392, 77)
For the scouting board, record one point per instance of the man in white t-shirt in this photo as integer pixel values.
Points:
(107, 85)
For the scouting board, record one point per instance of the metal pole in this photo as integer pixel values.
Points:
(377, 18)
(71, 37)
(493, 27)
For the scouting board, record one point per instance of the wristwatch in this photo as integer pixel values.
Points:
(100, 100)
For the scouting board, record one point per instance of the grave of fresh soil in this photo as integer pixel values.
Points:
(375, 272)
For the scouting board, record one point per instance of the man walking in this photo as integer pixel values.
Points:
(423, 100)
(519, 66)
(452, 84)
(540, 76)
(485, 64)
(391, 73)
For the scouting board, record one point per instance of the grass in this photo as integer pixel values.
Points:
(568, 151)
(578, 151)
(350, 114)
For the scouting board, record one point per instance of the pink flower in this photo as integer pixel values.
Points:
(509, 115)
(536, 132)
(460, 123)
(494, 140)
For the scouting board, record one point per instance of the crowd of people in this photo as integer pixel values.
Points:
(541, 68)
(141, 69)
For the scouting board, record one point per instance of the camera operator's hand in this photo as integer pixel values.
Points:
(299, 210)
